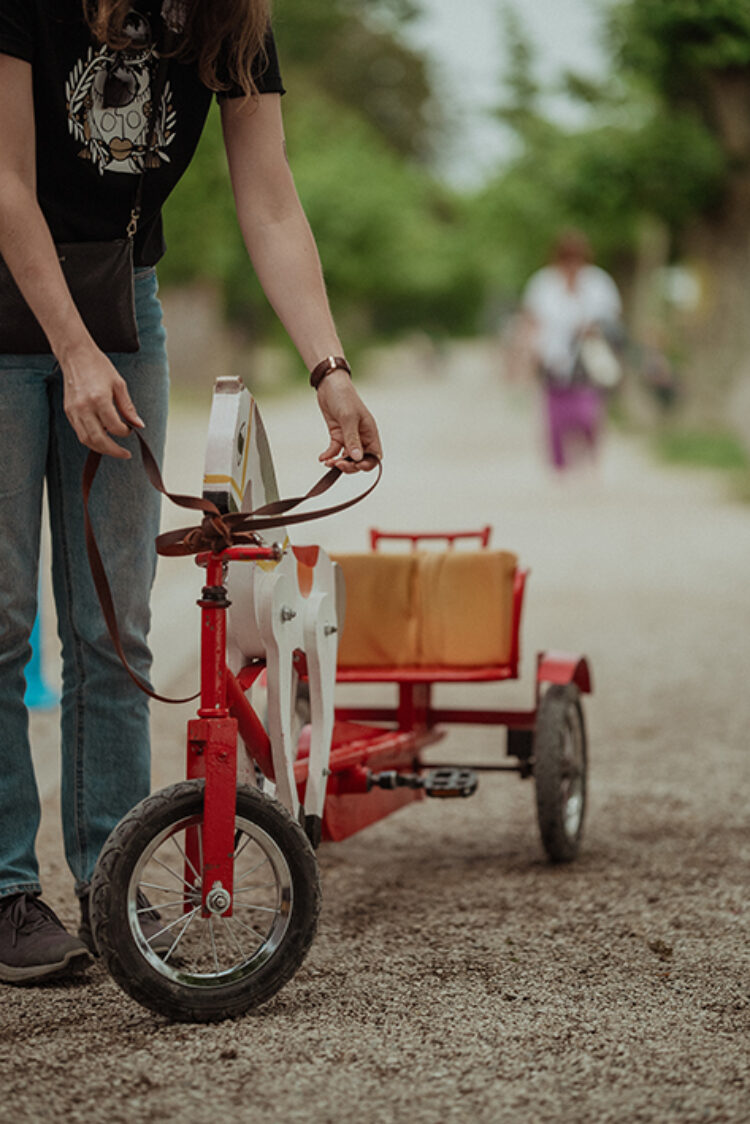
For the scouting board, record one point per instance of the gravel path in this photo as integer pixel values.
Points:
(457, 977)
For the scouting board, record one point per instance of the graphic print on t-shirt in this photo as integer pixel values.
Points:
(108, 96)
(174, 14)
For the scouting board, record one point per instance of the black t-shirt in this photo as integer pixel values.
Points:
(91, 114)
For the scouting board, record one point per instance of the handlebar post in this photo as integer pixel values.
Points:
(214, 604)
(212, 753)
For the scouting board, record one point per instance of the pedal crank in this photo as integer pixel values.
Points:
(449, 784)
(445, 783)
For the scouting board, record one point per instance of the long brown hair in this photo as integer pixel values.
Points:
(221, 35)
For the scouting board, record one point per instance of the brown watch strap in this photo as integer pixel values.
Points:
(325, 367)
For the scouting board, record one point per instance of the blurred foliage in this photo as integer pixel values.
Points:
(349, 50)
(359, 126)
(653, 147)
(702, 449)
(400, 249)
(679, 45)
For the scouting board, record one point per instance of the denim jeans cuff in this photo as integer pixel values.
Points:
(20, 888)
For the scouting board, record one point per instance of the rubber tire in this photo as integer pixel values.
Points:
(112, 932)
(559, 705)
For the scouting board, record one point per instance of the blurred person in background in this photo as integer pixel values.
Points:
(77, 81)
(569, 305)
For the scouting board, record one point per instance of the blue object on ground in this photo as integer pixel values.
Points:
(39, 695)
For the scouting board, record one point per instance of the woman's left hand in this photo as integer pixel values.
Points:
(351, 426)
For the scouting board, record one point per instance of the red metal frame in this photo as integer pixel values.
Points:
(414, 709)
(359, 749)
(564, 668)
(414, 714)
(449, 537)
(212, 736)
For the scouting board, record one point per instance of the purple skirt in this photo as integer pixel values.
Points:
(574, 415)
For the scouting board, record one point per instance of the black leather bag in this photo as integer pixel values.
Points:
(100, 278)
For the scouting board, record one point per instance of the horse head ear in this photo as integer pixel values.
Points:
(239, 472)
(239, 476)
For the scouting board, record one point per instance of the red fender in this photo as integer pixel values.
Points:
(563, 668)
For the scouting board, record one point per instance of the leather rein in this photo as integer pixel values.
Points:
(214, 533)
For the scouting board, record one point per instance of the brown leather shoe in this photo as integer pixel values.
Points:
(34, 943)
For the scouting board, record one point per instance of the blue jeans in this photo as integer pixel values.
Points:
(104, 717)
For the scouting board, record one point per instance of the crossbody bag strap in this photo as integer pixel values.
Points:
(157, 84)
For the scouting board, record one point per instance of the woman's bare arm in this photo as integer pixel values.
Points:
(283, 252)
(94, 391)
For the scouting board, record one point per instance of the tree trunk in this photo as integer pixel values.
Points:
(717, 335)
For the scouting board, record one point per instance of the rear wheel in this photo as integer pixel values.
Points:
(212, 968)
(560, 768)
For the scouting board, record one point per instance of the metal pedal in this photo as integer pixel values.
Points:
(447, 784)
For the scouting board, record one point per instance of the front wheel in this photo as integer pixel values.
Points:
(560, 767)
(147, 914)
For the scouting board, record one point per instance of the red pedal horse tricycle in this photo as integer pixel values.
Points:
(206, 896)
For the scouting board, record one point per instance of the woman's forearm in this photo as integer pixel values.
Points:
(29, 252)
(276, 232)
(286, 261)
(285, 257)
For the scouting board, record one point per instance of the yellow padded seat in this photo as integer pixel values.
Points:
(380, 628)
(428, 609)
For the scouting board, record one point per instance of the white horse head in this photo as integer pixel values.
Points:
(278, 609)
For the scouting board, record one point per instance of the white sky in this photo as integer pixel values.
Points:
(464, 38)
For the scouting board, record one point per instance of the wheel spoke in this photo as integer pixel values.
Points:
(250, 886)
(181, 933)
(161, 905)
(252, 870)
(179, 877)
(172, 924)
(233, 937)
(153, 886)
(213, 944)
(257, 886)
(249, 928)
(237, 851)
(260, 908)
(195, 954)
(185, 857)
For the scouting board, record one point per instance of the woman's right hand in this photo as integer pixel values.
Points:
(96, 401)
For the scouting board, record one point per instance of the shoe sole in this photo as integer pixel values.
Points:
(77, 960)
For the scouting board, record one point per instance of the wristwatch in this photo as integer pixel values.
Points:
(330, 363)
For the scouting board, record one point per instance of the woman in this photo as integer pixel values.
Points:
(78, 128)
(564, 302)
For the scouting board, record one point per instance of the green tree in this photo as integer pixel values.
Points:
(351, 50)
(357, 123)
(633, 159)
(695, 59)
(668, 140)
